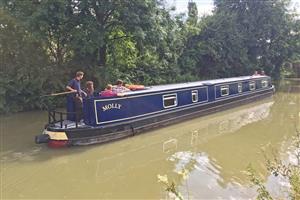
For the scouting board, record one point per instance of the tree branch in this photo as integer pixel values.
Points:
(124, 36)
(108, 14)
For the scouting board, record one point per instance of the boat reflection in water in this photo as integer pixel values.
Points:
(197, 169)
(181, 148)
(231, 122)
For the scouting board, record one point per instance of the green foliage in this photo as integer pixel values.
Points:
(24, 72)
(51, 22)
(240, 37)
(122, 57)
(192, 14)
(43, 43)
(295, 183)
(290, 171)
(100, 24)
(263, 194)
(169, 186)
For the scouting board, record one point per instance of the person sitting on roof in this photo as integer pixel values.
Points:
(262, 73)
(255, 73)
(108, 92)
(119, 87)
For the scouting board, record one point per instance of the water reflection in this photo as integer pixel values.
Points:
(213, 151)
(180, 148)
(170, 145)
(203, 180)
(229, 123)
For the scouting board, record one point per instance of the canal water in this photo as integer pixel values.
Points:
(205, 157)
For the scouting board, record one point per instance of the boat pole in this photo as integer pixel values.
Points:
(57, 94)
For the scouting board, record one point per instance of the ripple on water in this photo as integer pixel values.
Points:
(28, 155)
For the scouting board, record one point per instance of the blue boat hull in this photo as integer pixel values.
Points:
(116, 118)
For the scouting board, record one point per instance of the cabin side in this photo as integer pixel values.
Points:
(140, 106)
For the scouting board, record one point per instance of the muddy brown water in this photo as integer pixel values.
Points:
(205, 157)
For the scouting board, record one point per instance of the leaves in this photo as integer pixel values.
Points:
(43, 43)
(263, 194)
(277, 167)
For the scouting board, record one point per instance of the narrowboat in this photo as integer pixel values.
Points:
(113, 118)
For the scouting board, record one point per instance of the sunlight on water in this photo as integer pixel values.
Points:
(206, 157)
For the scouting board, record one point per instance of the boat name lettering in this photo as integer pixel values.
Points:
(111, 106)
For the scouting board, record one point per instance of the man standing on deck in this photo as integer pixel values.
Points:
(74, 100)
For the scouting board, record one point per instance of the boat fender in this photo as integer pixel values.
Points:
(135, 87)
(43, 138)
(132, 130)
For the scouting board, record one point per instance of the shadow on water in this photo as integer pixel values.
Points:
(213, 151)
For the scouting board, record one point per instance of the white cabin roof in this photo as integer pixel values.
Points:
(156, 88)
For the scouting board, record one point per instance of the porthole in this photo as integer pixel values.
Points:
(169, 100)
(224, 90)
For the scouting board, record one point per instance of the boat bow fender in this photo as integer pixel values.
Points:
(43, 138)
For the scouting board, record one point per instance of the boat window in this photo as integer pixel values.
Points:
(264, 83)
(224, 90)
(240, 88)
(252, 85)
(170, 100)
(195, 96)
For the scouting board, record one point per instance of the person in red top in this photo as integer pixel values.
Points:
(119, 87)
(109, 93)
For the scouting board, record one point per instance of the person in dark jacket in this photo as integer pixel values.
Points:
(74, 100)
